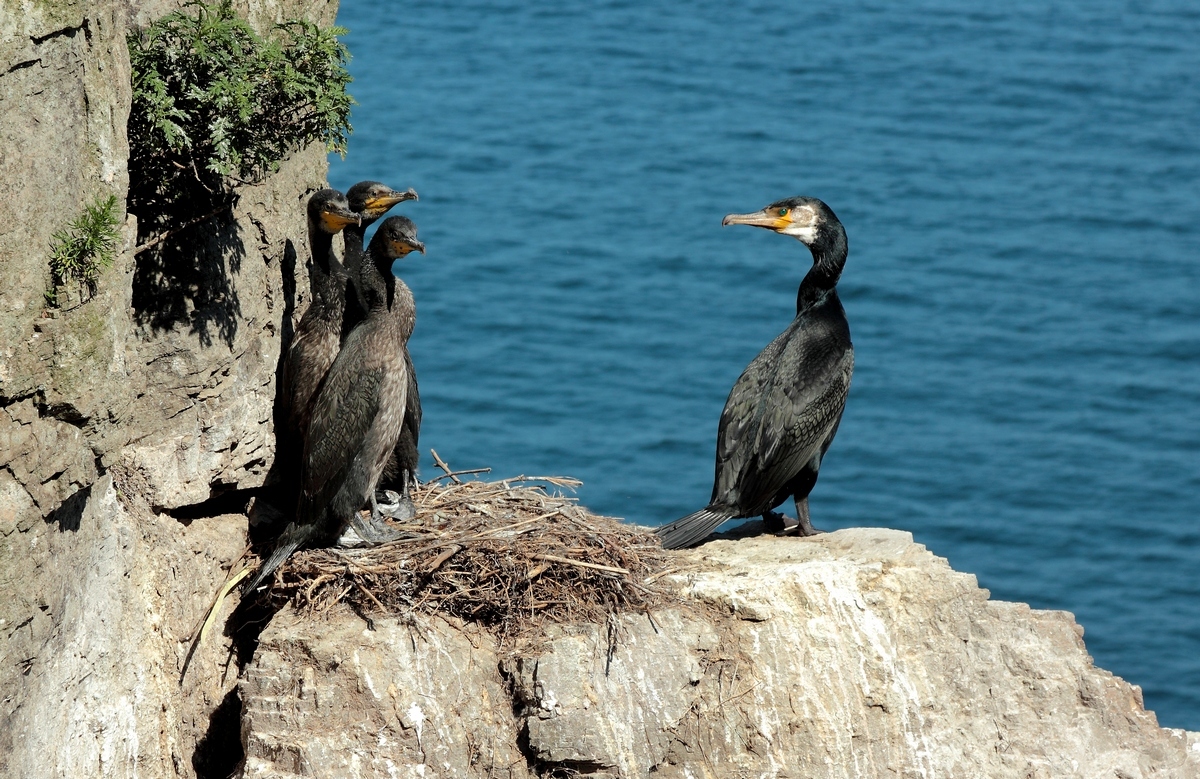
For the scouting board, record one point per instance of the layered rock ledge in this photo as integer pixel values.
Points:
(853, 654)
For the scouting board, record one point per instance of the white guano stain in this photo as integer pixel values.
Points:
(366, 675)
(417, 717)
(548, 701)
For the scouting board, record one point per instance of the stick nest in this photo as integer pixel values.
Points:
(507, 554)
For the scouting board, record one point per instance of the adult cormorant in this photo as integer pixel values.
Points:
(359, 410)
(371, 200)
(784, 410)
(318, 335)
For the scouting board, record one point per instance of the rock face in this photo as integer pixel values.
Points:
(177, 383)
(401, 699)
(856, 653)
(117, 594)
(64, 99)
(110, 414)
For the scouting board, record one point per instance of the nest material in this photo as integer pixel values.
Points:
(506, 554)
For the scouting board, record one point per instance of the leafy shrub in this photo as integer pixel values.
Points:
(216, 105)
(84, 247)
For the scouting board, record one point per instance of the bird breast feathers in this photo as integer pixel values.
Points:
(783, 397)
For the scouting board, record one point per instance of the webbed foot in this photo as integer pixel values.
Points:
(370, 532)
(396, 506)
(774, 522)
(783, 525)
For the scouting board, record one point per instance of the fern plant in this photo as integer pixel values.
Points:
(217, 105)
(84, 247)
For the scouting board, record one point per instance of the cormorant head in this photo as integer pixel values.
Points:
(330, 211)
(395, 238)
(804, 218)
(372, 199)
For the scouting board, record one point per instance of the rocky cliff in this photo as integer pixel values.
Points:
(856, 653)
(162, 382)
(136, 424)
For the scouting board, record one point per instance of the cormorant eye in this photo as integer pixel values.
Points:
(783, 212)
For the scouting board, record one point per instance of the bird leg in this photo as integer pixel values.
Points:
(805, 527)
(374, 531)
(782, 525)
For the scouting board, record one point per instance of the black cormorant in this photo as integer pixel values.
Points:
(359, 410)
(318, 335)
(371, 200)
(784, 410)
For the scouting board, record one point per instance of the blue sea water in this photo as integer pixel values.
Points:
(1021, 188)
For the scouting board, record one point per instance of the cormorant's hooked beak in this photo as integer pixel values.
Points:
(381, 203)
(769, 218)
(337, 218)
(404, 246)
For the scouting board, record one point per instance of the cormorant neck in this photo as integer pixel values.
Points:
(829, 257)
(353, 237)
(329, 277)
(354, 244)
(378, 283)
(321, 244)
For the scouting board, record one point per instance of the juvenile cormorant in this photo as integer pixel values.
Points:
(371, 200)
(358, 412)
(784, 410)
(318, 335)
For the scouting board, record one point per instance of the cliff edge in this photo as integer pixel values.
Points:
(853, 654)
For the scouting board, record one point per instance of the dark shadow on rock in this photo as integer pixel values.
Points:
(276, 499)
(70, 513)
(219, 753)
(231, 501)
(751, 528)
(248, 621)
(287, 270)
(557, 770)
(188, 279)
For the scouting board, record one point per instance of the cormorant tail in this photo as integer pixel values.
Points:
(291, 539)
(695, 527)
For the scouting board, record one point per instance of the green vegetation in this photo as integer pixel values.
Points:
(84, 247)
(218, 105)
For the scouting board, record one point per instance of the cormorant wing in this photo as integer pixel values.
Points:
(336, 449)
(412, 407)
(779, 413)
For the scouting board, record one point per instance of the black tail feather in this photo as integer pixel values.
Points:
(693, 528)
(291, 539)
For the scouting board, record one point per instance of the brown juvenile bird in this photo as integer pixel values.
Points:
(371, 200)
(783, 411)
(358, 412)
(318, 335)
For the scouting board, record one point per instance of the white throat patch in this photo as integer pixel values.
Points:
(806, 234)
